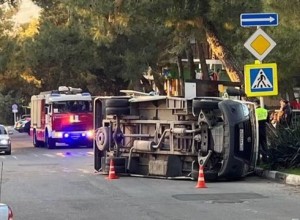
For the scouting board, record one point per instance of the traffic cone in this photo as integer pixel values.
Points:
(112, 174)
(201, 180)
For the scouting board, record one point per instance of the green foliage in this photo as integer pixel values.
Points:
(295, 171)
(286, 35)
(102, 46)
(6, 116)
(284, 148)
(13, 3)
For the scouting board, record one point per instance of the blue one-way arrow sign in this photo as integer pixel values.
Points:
(259, 19)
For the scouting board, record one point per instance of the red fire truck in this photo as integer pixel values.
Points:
(62, 116)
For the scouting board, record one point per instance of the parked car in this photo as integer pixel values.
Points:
(5, 212)
(5, 142)
(23, 125)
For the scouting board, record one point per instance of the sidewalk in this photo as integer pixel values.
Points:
(285, 178)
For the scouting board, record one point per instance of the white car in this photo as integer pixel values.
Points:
(5, 212)
(5, 142)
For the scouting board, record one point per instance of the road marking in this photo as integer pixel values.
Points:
(49, 155)
(3, 157)
(60, 154)
(35, 155)
(84, 171)
(15, 157)
(66, 170)
(76, 154)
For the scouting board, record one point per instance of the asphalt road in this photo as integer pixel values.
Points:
(60, 184)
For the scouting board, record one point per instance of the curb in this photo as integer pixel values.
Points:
(290, 179)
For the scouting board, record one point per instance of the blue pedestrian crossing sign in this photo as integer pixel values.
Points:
(261, 79)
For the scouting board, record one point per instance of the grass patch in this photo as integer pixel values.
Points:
(295, 171)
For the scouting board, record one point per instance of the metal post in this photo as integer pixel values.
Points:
(15, 117)
(262, 103)
(261, 99)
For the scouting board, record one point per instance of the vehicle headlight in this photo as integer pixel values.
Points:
(4, 141)
(90, 134)
(57, 134)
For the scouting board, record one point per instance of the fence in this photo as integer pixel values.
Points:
(296, 117)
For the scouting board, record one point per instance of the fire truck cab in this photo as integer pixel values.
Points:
(62, 116)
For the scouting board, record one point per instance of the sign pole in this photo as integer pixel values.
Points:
(15, 117)
(261, 98)
(260, 79)
(14, 108)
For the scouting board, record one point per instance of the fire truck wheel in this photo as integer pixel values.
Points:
(116, 103)
(198, 105)
(36, 143)
(49, 142)
(102, 138)
(117, 111)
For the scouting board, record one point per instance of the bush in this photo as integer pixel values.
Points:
(284, 148)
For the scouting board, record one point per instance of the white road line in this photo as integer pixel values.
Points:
(49, 155)
(60, 154)
(15, 157)
(66, 170)
(84, 171)
(2, 157)
(35, 155)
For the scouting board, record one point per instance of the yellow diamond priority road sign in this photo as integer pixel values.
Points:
(260, 44)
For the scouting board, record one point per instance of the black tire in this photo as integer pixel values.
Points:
(205, 105)
(49, 142)
(116, 103)
(8, 152)
(117, 111)
(234, 178)
(36, 143)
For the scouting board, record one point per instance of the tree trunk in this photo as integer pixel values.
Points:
(146, 85)
(202, 58)
(159, 81)
(224, 55)
(180, 75)
(191, 64)
(180, 67)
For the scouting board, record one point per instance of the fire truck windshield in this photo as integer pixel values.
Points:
(72, 106)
